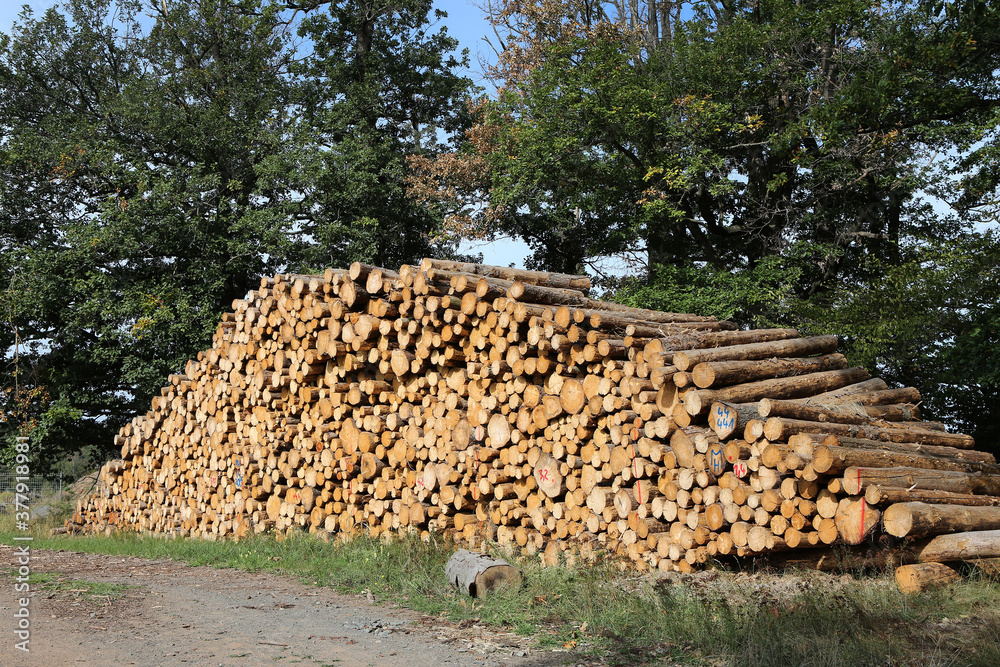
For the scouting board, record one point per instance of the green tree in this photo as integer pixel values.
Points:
(377, 86)
(159, 158)
(749, 128)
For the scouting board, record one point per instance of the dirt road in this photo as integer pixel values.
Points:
(169, 613)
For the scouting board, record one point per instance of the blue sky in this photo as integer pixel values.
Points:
(465, 21)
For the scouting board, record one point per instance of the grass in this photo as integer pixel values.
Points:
(79, 589)
(713, 618)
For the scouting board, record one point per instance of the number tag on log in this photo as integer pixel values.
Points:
(724, 418)
(717, 459)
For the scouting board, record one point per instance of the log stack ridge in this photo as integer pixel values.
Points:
(494, 404)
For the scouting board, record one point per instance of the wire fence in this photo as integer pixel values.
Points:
(38, 486)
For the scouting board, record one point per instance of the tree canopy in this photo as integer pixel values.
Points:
(737, 132)
(159, 158)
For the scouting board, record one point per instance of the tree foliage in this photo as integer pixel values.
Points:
(159, 158)
(737, 133)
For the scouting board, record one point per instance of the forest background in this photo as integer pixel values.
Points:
(830, 166)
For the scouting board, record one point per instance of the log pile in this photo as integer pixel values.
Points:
(496, 404)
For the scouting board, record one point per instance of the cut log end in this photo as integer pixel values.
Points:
(923, 576)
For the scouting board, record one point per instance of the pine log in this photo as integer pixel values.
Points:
(781, 428)
(912, 447)
(610, 320)
(720, 373)
(698, 401)
(855, 480)
(847, 394)
(728, 418)
(920, 519)
(958, 546)
(835, 460)
(561, 280)
(540, 294)
(879, 495)
(799, 347)
(548, 476)
(683, 448)
(840, 413)
(855, 519)
(698, 341)
(882, 396)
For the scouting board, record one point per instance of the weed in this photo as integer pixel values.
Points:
(76, 588)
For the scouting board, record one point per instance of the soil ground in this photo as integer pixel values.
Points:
(162, 613)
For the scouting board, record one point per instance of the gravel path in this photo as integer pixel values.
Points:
(175, 614)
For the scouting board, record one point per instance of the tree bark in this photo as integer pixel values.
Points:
(920, 519)
(799, 347)
(697, 402)
(477, 574)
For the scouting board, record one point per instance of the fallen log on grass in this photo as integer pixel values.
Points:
(476, 573)
(922, 576)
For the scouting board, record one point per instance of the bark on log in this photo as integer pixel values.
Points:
(879, 396)
(720, 373)
(563, 280)
(698, 401)
(477, 574)
(781, 428)
(920, 519)
(879, 495)
(958, 546)
(840, 413)
(912, 447)
(800, 347)
(834, 460)
(847, 393)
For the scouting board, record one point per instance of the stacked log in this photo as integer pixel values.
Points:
(495, 404)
